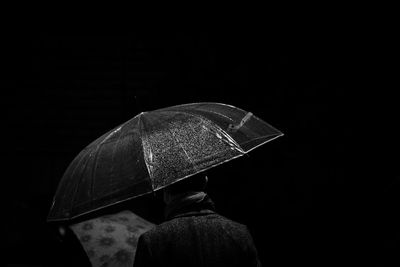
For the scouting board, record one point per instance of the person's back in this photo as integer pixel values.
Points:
(195, 235)
(201, 238)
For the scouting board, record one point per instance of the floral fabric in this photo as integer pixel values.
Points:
(111, 240)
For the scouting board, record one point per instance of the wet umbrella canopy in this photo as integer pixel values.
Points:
(153, 150)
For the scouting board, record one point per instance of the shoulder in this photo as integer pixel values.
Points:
(160, 230)
(210, 222)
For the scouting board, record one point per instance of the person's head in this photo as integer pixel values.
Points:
(194, 183)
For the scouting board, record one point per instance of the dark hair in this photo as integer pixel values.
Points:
(197, 182)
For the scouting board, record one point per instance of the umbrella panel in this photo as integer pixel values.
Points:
(253, 133)
(104, 173)
(191, 144)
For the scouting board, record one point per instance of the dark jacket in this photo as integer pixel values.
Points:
(197, 236)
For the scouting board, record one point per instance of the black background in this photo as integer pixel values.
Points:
(320, 195)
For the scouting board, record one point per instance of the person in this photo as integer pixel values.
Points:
(193, 233)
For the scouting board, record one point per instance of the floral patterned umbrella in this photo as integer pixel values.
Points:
(111, 240)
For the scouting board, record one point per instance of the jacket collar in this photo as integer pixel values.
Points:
(195, 209)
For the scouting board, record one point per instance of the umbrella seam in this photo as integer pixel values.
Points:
(76, 188)
(80, 181)
(113, 155)
(200, 104)
(269, 125)
(143, 149)
(269, 140)
(188, 112)
(119, 138)
(93, 172)
(261, 137)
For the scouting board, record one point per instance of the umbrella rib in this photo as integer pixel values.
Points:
(187, 111)
(73, 172)
(140, 123)
(80, 181)
(269, 140)
(222, 115)
(93, 173)
(112, 160)
(113, 153)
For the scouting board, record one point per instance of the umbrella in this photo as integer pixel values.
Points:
(111, 240)
(153, 150)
